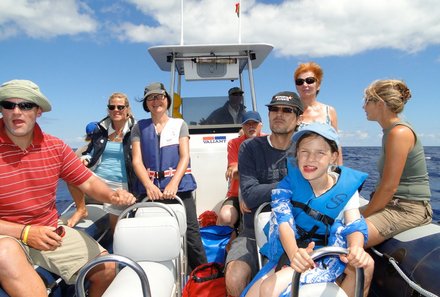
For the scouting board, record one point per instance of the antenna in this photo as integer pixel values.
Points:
(181, 22)
(238, 9)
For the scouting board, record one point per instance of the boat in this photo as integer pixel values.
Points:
(415, 253)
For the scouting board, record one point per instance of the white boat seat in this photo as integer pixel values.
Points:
(160, 278)
(320, 290)
(147, 238)
(179, 210)
(153, 239)
(260, 220)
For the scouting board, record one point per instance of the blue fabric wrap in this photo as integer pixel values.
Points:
(328, 269)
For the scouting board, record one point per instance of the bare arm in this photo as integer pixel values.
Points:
(357, 256)
(99, 190)
(300, 259)
(39, 237)
(399, 143)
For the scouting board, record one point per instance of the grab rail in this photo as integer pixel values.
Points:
(331, 251)
(79, 286)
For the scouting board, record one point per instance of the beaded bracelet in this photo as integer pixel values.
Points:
(25, 234)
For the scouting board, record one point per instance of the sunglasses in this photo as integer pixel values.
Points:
(309, 80)
(21, 105)
(155, 97)
(113, 107)
(283, 109)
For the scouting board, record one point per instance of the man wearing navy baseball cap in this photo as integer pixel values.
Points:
(262, 164)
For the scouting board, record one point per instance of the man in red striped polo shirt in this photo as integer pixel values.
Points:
(31, 163)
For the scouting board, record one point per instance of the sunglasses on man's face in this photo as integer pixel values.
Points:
(309, 80)
(283, 109)
(21, 105)
(113, 107)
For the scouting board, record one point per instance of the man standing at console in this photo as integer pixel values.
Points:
(231, 112)
(261, 165)
(31, 164)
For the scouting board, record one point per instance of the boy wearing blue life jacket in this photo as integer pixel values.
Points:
(315, 205)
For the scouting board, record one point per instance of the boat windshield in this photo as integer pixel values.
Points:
(200, 111)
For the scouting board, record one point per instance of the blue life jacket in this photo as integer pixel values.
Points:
(160, 155)
(313, 215)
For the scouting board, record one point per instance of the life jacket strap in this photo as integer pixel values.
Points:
(165, 173)
(314, 213)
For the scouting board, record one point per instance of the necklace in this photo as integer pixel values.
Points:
(117, 136)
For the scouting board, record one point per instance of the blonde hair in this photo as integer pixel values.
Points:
(395, 93)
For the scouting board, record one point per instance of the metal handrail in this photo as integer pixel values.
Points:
(331, 251)
(257, 213)
(129, 209)
(79, 286)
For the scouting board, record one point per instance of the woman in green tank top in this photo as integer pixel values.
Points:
(402, 195)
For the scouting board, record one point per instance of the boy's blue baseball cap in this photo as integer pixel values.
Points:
(91, 127)
(324, 130)
(251, 116)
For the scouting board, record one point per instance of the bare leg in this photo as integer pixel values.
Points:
(100, 278)
(374, 237)
(255, 290)
(80, 202)
(228, 216)
(277, 282)
(17, 276)
(348, 284)
(237, 276)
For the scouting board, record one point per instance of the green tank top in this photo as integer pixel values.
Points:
(414, 182)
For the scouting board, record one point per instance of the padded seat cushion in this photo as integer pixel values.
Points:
(160, 277)
(321, 290)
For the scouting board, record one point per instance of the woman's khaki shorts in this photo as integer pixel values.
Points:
(76, 250)
(400, 215)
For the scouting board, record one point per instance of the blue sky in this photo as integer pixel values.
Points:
(79, 52)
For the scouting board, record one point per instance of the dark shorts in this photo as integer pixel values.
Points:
(244, 249)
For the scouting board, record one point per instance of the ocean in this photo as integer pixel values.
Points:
(361, 158)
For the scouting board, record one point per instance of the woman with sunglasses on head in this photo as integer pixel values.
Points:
(162, 163)
(109, 156)
(308, 77)
(402, 196)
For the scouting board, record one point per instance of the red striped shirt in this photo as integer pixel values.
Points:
(29, 178)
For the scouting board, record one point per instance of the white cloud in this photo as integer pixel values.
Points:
(430, 137)
(304, 27)
(313, 28)
(358, 134)
(45, 18)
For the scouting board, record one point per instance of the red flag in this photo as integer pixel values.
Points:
(237, 9)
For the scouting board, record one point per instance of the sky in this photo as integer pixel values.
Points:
(80, 52)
